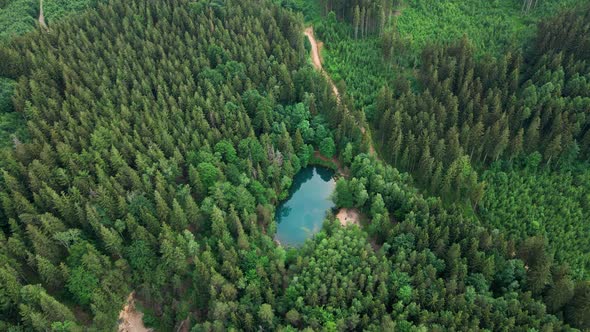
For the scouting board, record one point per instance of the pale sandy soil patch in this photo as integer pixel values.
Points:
(348, 217)
(131, 320)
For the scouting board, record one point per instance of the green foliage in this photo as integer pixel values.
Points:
(371, 63)
(266, 315)
(12, 124)
(355, 64)
(327, 147)
(16, 18)
(467, 256)
(208, 174)
(350, 194)
(366, 64)
(6, 90)
(319, 161)
(579, 310)
(477, 111)
(431, 263)
(56, 10)
(82, 284)
(157, 169)
(342, 194)
(40, 310)
(342, 292)
(493, 26)
(525, 199)
(20, 16)
(162, 134)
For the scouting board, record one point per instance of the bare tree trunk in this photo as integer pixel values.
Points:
(357, 21)
(363, 19)
(367, 22)
(525, 6)
(529, 5)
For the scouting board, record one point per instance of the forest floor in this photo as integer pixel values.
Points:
(131, 320)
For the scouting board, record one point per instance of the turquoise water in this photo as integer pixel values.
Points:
(303, 213)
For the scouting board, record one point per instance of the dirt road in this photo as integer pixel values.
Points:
(317, 60)
(42, 23)
(317, 63)
(315, 53)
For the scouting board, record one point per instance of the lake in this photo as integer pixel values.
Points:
(303, 213)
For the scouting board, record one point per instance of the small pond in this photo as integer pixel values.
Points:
(303, 213)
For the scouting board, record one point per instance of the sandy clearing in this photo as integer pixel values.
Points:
(348, 217)
(131, 320)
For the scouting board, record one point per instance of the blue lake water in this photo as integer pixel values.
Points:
(303, 213)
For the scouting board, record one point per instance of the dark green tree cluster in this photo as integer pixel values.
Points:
(338, 283)
(478, 111)
(12, 124)
(18, 17)
(162, 134)
(525, 199)
(445, 269)
(565, 33)
(366, 16)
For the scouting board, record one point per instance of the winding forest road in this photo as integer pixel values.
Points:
(317, 63)
(317, 60)
(42, 23)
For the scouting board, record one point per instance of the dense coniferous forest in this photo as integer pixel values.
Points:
(471, 113)
(146, 145)
(18, 17)
(446, 115)
(159, 142)
(445, 269)
(527, 199)
(482, 111)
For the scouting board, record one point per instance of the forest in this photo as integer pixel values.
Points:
(448, 112)
(145, 146)
(502, 133)
(18, 17)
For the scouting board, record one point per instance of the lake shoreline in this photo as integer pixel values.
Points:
(302, 213)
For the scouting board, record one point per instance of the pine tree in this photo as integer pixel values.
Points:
(538, 261)
(578, 309)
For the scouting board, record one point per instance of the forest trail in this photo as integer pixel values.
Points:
(317, 60)
(42, 23)
(317, 63)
